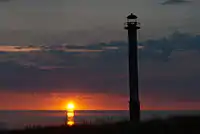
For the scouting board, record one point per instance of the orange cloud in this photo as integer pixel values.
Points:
(82, 50)
(18, 49)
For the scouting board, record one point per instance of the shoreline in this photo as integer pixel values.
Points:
(170, 125)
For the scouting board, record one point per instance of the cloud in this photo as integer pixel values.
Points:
(18, 48)
(107, 71)
(162, 49)
(172, 2)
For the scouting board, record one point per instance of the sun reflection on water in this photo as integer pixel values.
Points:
(70, 118)
(70, 123)
(70, 114)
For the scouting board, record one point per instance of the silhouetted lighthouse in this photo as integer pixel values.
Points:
(134, 104)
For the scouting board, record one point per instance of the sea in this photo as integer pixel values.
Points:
(23, 119)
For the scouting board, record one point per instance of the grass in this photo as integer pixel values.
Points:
(173, 125)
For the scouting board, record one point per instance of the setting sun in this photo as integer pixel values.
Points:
(70, 106)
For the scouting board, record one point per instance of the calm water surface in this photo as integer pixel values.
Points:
(21, 119)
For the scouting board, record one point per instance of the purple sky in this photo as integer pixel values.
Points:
(67, 46)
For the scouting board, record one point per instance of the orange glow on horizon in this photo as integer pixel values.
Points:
(83, 101)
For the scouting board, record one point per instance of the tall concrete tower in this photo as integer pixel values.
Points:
(134, 104)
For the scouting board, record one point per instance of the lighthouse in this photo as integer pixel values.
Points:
(134, 104)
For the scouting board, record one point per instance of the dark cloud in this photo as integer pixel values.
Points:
(162, 49)
(172, 2)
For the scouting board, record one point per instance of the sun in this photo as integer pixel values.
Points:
(70, 106)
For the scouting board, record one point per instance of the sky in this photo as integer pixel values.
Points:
(53, 52)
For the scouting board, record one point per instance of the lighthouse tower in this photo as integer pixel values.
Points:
(134, 104)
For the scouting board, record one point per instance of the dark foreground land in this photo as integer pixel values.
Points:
(174, 125)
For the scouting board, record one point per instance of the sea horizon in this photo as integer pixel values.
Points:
(35, 110)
